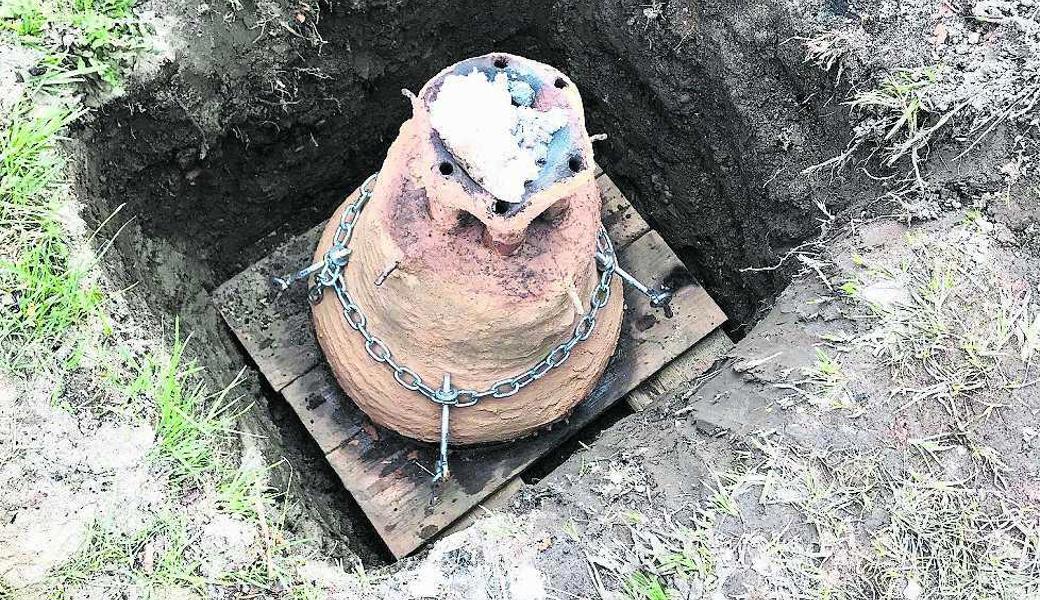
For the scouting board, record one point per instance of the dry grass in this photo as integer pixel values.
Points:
(827, 50)
(973, 88)
(898, 119)
(947, 540)
(937, 539)
(951, 327)
(829, 492)
(823, 385)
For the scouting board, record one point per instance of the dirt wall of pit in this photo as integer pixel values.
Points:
(269, 115)
(254, 130)
(712, 116)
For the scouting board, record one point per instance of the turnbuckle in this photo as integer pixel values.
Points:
(337, 255)
(446, 397)
(659, 297)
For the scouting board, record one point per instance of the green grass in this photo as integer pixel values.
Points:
(900, 101)
(154, 557)
(245, 492)
(829, 490)
(658, 552)
(50, 296)
(102, 37)
(191, 424)
(163, 555)
(823, 384)
(46, 290)
(643, 586)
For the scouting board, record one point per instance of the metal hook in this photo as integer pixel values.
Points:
(337, 255)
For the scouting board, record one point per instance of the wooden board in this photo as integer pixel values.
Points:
(621, 220)
(388, 475)
(681, 371)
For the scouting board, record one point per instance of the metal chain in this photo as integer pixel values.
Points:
(329, 275)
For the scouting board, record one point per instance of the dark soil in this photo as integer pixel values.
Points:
(711, 118)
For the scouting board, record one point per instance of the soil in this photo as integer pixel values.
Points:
(244, 137)
(669, 459)
(269, 113)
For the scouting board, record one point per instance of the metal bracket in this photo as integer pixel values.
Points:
(659, 297)
(338, 256)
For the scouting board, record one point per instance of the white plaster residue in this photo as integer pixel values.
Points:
(500, 145)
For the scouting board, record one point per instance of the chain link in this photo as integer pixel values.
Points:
(330, 276)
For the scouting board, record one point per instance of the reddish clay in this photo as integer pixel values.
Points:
(466, 290)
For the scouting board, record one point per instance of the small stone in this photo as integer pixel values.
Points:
(939, 34)
(913, 590)
(886, 294)
(974, 37)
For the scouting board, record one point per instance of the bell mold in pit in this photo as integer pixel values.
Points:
(458, 281)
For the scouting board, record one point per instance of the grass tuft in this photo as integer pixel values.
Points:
(823, 384)
(827, 50)
(99, 39)
(953, 542)
(154, 557)
(643, 586)
(951, 327)
(245, 492)
(898, 117)
(190, 423)
(44, 289)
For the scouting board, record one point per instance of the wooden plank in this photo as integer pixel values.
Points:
(496, 502)
(681, 371)
(623, 223)
(388, 475)
(330, 417)
(275, 328)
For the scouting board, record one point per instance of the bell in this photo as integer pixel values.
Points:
(465, 273)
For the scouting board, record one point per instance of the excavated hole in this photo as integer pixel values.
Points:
(217, 168)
